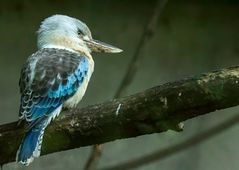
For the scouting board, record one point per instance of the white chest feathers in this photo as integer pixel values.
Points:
(76, 98)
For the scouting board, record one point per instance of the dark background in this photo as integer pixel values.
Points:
(191, 37)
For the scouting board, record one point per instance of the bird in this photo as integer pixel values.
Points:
(56, 76)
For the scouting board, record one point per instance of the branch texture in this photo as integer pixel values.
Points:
(154, 110)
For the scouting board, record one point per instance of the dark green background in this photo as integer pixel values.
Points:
(191, 37)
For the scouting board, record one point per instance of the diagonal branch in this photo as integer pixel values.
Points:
(154, 110)
(135, 61)
(94, 157)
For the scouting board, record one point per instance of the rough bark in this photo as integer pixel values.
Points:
(152, 111)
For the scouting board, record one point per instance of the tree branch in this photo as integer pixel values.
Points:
(135, 61)
(154, 110)
(94, 157)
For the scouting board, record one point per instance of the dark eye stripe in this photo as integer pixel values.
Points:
(80, 32)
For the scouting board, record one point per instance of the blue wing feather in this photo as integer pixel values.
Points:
(44, 104)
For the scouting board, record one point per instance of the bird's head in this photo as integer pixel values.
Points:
(66, 32)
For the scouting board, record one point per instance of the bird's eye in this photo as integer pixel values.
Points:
(80, 32)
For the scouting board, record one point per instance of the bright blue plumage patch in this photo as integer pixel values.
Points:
(29, 144)
(74, 80)
(54, 98)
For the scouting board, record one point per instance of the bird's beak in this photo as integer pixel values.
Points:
(98, 46)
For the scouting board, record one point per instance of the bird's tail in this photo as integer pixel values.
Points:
(30, 147)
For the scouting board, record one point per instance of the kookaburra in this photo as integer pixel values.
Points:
(54, 77)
